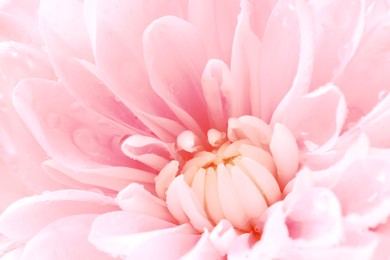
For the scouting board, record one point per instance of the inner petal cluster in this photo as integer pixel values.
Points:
(235, 176)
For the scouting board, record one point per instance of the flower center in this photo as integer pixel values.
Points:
(235, 176)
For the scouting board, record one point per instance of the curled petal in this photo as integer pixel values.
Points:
(148, 150)
(135, 198)
(316, 119)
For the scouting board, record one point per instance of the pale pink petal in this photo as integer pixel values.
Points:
(65, 238)
(251, 128)
(383, 231)
(26, 217)
(94, 94)
(56, 172)
(315, 219)
(375, 124)
(241, 247)
(260, 12)
(295, 19)
(11, 189)
(329, 175)
(316, 119)
(214, 244)
(245, 66)
(216, 21)
(275, 235)
(12, 255)
(138, 236)
(26, 10)
(14, 28)
(67, 131)
(135, 198)
(112, 178)
(356, 245)
(62, 28)
(338, 31)
(203, 249)
(188, 142)
(117, 42)
(174, 72)
(365, 79)
(364, 192)
(19, 150)
(218, 90)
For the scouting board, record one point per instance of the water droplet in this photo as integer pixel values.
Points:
(116, 141)
(382, 94)
(14, 54)
(344, 52)
(86, 141)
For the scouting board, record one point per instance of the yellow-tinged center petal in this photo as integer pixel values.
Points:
(236, 179)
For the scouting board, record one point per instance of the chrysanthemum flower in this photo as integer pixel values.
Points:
(195, 129)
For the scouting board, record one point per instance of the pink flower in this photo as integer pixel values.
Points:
(194, 129)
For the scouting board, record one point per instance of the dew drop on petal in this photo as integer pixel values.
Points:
(382, 94)
(85, 140)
